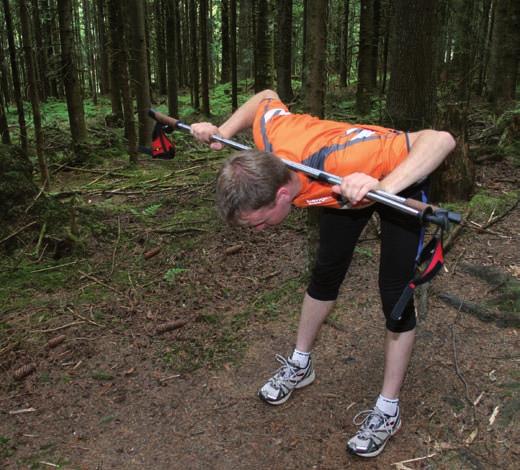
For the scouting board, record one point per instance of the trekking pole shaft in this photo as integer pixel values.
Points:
(418, 209)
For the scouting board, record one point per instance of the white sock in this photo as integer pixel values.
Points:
(300, 357)
(388, 406)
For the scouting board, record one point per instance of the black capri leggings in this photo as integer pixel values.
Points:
(400, 238)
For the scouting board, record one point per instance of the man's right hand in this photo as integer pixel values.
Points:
(203, 131)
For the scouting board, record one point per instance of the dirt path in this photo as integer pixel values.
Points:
(117, 395)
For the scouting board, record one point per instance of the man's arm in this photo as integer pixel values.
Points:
(241, 119)
(428, 149)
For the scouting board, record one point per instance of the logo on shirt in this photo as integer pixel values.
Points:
(317, 202)
(360, 133)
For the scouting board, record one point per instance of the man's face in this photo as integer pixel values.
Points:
(267, 216)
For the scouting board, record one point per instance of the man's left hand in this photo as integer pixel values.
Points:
(355, 186)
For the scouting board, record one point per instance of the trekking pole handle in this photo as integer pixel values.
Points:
(176, 124)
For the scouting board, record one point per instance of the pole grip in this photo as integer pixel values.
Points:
(163, 118)
(419, 205)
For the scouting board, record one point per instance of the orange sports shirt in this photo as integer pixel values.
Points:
(334, 147)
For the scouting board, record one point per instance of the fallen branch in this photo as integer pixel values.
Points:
(97, 281)
(115, 247)
(401, 464)
(50, 268)
(23, 410)
(74, 323)
(18, 231)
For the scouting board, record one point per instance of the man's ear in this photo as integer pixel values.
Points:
(283, 194)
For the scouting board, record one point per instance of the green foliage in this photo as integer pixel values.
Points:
(6, 448)
(149, 211)
(16, 185)
(172, 273)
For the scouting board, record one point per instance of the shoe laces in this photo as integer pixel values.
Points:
(370, 421)
(286, 373)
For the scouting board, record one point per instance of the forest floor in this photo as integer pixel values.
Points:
(169, 322)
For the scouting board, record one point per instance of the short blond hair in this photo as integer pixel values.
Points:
(248, 181)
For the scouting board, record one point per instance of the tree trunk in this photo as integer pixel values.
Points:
(4, 94)
(116, 28)
(225, 72)
(233, 40)
(263, 47)
(88, 48)
(465, 49)
(343, 48)
(161, 46)
(104, 82)
(483, 52)
(15, 76)
(365, 57)
(284, 48)
(120, 71)
(315, 53)
(194, 56)
(78, 128)
(171, 49)
(4, 127)
(245, 33)
(51, 33)
(411, 93)
(139, 55)
(505, 52)
(454, 179)
(204, 57)
(41, 59)
(33, 92)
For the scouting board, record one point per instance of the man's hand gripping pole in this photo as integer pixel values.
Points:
(422, 211)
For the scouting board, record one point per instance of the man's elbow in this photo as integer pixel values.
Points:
(448, 140)
(269, 94)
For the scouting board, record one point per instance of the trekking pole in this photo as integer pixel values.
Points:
(422, 211)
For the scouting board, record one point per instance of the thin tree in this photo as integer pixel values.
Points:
(233, 40)
(51, 34)
(171, 52)
(194, 58)
(120, 72)
(115, 22)
(343, 49)
(4, 127)
(160, 44)
(284, 49)
(78, 129)
(204, 56)
(225, 71)
(365, 57)
(30, 64)
(15, 76)
(41, 56)
(102, 41)
(135, 12)
(315, 53)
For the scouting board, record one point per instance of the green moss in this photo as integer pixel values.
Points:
(484, 205)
